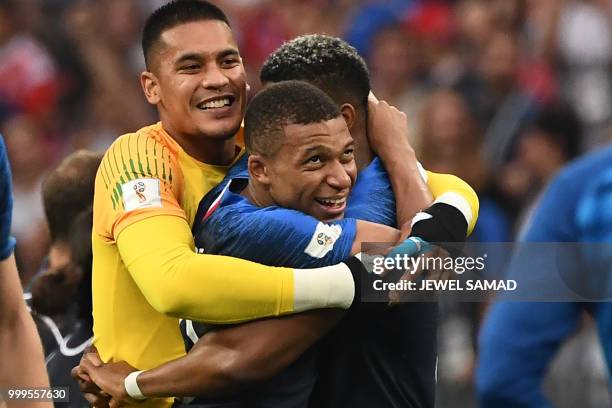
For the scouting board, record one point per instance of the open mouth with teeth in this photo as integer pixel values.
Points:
(332, 202)
(217, 103)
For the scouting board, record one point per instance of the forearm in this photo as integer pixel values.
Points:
(411, 192)
(225, 361)
(369, 232)
(219, 289)
(205, 371)
(20, 348)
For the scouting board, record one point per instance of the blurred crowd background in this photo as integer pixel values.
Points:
(499, 92)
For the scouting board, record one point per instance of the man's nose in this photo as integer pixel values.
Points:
(338, 176)
(214, 78)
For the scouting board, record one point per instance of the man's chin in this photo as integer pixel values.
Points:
(330, 218)
(220, 131)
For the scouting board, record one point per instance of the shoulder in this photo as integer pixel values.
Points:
(143, 154)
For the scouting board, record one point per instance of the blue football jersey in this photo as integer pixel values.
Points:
(372, 197)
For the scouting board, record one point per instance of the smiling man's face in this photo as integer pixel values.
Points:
(314, 170)
(200, 80)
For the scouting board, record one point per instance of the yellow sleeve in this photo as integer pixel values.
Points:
(452, 189)
(137, 179)
(159, 255)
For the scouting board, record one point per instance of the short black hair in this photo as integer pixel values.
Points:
(328, 62)
(282, 104)
(175, 13)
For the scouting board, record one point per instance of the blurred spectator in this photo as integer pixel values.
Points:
(498, 100)
(26, 148)
(370, 17)
(70, 350)
(450, 140)
(549, 141)
(28, 78)
(585, 47)
(106, 36)
(396, 72)
(61, 294)
(67, 191)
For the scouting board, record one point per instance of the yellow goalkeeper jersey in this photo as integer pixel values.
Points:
(144, 176)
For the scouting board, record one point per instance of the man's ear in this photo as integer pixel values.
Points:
(349, 114)
(258, 169)
(150, 87)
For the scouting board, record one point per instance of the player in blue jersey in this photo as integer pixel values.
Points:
(519, 339)
(292, 166)
(21, 356)
(361, 367)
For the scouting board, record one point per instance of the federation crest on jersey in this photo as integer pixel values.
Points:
(323, 240)
(141, 193)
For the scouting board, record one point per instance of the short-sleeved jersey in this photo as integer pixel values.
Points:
(142, 174)
(7, 243)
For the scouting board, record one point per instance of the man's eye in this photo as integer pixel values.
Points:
(192, 67)
(349, 152)
(314, 159)
(231, 62)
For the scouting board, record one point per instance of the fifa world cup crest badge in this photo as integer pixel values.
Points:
(139, 189)
(324, 239)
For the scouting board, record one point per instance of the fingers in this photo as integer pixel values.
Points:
(88, 366)
(93, 358)
(92, 355)
(79, 374)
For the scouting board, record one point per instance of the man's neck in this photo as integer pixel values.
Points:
(363, 153)
(218, 152)
(257, 195)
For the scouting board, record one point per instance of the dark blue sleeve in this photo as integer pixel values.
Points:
(372, 197)
(7, 242)
(276, 236)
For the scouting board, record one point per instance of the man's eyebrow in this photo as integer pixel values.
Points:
(192, 56)
(313, 149)
(228, 52)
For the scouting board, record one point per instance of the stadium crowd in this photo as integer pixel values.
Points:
(502, 93)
